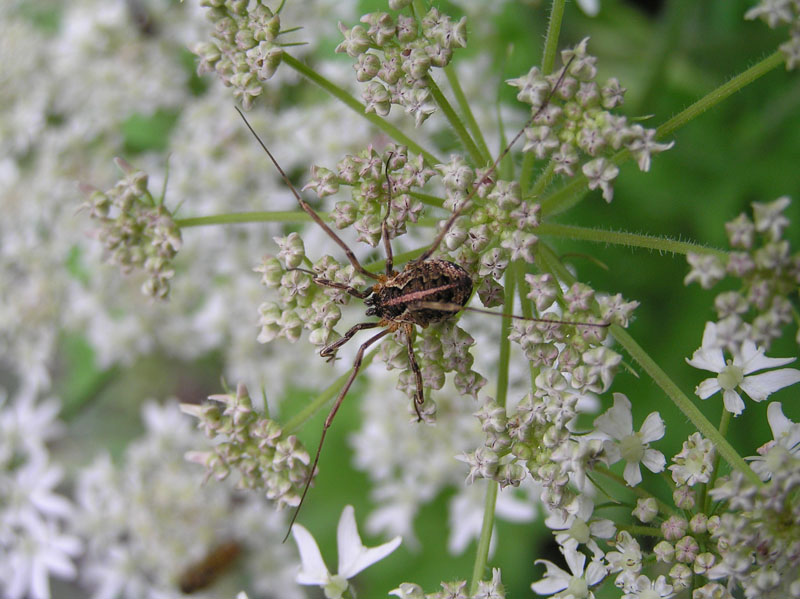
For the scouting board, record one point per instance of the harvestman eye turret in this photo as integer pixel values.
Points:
(428, 290)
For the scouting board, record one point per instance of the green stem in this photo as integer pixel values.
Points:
(426, 198)
(643, 531)
(324, 396)
(723, 92)
(286, 216)
(571, 193)
(684, 404)
(624, 238)
(544, 178)
(455, 122)
(466, 111)
(553, 31)
(705, 499)
(505, 329)
(482, 551)
(358, 107)
(639, 491)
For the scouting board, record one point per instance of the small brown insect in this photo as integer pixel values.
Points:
(428, 290)
(203, 573)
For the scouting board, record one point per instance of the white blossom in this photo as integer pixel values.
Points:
(732, 374)
(354, 556)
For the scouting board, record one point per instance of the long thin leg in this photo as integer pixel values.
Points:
(329, 351)
(331, 414)
(308, 209)
(456, 213)
(387, 243)
(419, 398)
(328, 283)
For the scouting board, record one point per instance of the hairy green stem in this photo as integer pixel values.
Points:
(296, 421)
(624, 238)
(466, 112)
(455, 122)
(570, 194)
(286, 216)
(705, 499)
(553, 31)
(342, 95)
(482, 551)
(638, 491)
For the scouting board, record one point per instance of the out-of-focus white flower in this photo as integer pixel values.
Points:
(785, 435)
(353, 556)
(732, 374)
(590, 7)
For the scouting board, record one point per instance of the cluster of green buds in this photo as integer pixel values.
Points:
(136, 229)
(768, 271)
(370, 174)
(244, 51)
(396, 54)
(252, 445)
(575, 129)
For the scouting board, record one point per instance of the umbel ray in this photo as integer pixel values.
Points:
(427, 290)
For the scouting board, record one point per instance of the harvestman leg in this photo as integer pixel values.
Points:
(387, 243)
(308, 209)
(323, 282)
(329, 351)
(332, 413)
(419, 399)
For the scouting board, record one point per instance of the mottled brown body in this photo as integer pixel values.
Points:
(399, 298)
(203, 573)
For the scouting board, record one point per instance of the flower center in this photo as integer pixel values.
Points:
(631, 448)
(579, 531)
(578, 588)
(730, 377)
(335, 587)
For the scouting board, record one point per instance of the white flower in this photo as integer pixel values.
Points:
(578, 584)
(590, 7)
(731, 374)
(353, 556)
(573, 525)
(785, 437)
(632, 446)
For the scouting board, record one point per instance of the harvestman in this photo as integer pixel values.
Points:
(428, 290)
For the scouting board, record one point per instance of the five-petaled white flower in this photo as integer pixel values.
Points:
(617, 423)
(731, 374)
(353, 556)
(578, 584)
(785, 437)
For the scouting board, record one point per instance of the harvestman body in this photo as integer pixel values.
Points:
(428, 290)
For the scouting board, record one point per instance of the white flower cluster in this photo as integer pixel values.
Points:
(35, 542)
(150, 522)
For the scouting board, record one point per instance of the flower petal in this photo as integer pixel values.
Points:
(654, 460)
(312, 568)
(733, 402)
(353, 555)
(752, 358)
(555, 579)
(707, 388)
(652, 428)
(632, 474)
(759, 386)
